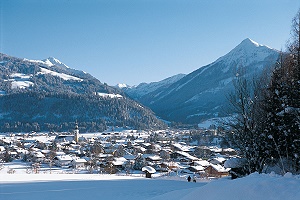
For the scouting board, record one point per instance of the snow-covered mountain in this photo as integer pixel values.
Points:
(50, 93)
(202, 93)
(143, 89)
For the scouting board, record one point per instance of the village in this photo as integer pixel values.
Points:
(199, 153)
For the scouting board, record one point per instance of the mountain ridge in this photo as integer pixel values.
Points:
(201, 94)
(145, 88)
(36, 91)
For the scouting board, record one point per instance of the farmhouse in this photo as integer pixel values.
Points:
(217, 171)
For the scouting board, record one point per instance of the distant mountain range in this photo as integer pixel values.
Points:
(201, 94)
(48, 95)
(143, 89)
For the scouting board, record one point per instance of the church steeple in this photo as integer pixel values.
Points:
(76, 132)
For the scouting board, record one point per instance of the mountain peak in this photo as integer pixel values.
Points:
(53, 61)
(249, 42)
(247, 51)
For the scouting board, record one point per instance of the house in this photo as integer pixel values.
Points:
(152, 158)
(149, 171)
(162, 167)
(119, 162)
(196, 169)
(203, 163)
(37, 156)
(203, 152)
(183, 156)
(181, 147)
(78, 163)
(217, 160)
(64, 139)
(217, 171)
(171, 165)
(62, 160)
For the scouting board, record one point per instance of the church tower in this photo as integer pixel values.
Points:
(76, 132)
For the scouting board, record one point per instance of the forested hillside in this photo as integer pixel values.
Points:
(48, 95)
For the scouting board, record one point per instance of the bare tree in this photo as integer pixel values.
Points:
(247, 123)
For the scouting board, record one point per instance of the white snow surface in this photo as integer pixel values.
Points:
(206, 124)
(109, 95)
(21, 84)
(95, 186)
(60, 185)
(246, 53)
(19, 80)
(51, 61)
(122, 85)
(61, 75)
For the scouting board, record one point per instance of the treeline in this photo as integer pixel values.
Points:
(49, 111)
(26, 127)
(267, 125)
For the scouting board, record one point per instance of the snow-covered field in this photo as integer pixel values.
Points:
(59, 185)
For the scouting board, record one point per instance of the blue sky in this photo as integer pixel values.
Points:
(134, 41)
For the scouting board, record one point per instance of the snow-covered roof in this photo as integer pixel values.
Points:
(197, 168)
(182, 147)
(64, 158)
(38, 154)
(203, 163)
(215, 149)
(142, 149)
(235, 162)
(154, 157)
(229, 150)
(139, 141)
(217, 160)
(150, 169)
(187, 155)
(45, 151)
(79, 160)
(2, 148)
(220, 168)
(59, 153)
(119, 161)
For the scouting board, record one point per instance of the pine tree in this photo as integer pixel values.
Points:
(282, 106)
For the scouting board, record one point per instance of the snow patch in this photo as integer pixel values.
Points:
(21, 84)
(49, 64)
(53, 61)
(109, 95)
(210, 122)
(21, 76)
(122, 85)
(60, 75)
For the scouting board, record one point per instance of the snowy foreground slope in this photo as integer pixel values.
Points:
(95, 186)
